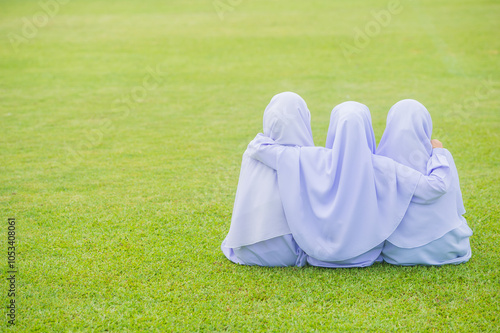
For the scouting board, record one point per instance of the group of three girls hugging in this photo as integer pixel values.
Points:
(350, 203)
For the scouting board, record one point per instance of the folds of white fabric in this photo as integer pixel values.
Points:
(344, 201)
(406, 139)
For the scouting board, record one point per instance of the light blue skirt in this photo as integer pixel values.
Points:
(283, 251)
(279, 251)
(452, 248)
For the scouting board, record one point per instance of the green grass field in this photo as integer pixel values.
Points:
(123, 125)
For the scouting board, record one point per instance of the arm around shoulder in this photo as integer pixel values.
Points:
(265, 150)
(437, 181)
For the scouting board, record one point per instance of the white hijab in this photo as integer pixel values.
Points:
(258, 212)
(407, 140)
(340, 201)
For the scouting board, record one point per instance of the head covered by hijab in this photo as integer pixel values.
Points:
(258, 212)
(407, 140)
(342, 201)
(287, 120)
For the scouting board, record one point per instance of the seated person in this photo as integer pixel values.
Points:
(259, 233)
(432, 232)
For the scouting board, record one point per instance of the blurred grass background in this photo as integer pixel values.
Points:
(123, 125)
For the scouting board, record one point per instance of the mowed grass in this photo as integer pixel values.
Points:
(121, 206)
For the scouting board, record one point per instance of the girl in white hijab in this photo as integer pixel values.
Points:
(259, 233)
(343, 201)
(433, 232)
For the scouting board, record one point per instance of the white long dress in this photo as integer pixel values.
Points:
(433, 231)
(259, 232)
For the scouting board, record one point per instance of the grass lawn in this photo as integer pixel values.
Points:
(123, 126)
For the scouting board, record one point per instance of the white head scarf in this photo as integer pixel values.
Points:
(258, 212)
(287, 120)
(407, 140)
(408, 135)
(344, 201)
